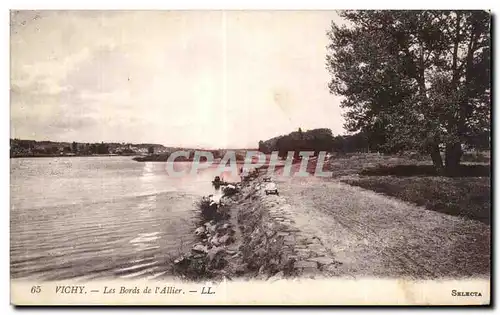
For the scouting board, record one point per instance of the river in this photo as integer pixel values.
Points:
(100, 217)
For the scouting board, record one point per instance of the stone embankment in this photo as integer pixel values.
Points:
(307, 256)
(216, 247)
(253, 235)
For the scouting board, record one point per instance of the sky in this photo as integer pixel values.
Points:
(178, 78)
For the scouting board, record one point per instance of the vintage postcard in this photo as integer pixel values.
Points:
(224, 157)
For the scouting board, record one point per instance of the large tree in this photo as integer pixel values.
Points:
(418, 79)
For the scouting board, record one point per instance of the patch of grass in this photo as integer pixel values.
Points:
(229, 190)
(466, 196)
(479, 157)
(405, 164)
(471, 170)
(210, 210)
(350, 164)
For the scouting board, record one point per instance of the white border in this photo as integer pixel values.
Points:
(249, 4)
(186, 4)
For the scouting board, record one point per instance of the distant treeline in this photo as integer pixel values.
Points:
(147, 151)
(33, 148)
(322, 140)
(312, 140)
(317, 140)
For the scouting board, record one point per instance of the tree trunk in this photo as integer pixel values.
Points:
(453, 154)
(436, 158)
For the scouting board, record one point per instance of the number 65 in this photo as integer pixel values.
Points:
(36, 289)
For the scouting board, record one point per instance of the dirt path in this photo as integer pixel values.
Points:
(375, 235)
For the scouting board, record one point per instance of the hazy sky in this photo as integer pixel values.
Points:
(187, 78)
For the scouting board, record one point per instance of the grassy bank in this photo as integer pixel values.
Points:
(413, 179)
(353, 164)
(468, 197)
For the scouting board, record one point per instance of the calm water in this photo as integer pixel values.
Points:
(99, 217)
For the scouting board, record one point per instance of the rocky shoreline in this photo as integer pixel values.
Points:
(246, 234)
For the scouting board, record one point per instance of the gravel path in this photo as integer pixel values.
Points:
(373, 235)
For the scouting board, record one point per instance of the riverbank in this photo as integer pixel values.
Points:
(323, 227)
(66, 155)
(250, 235)
(465, 194)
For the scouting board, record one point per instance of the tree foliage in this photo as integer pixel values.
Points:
(416, 79)
(358, 142)
(316, 140)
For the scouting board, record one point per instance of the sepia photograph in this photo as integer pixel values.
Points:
(250, 157)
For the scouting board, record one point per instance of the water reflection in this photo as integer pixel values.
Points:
(98, 217)
(102, 217)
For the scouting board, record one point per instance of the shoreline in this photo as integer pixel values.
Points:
(247, 237)
(57, 156)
